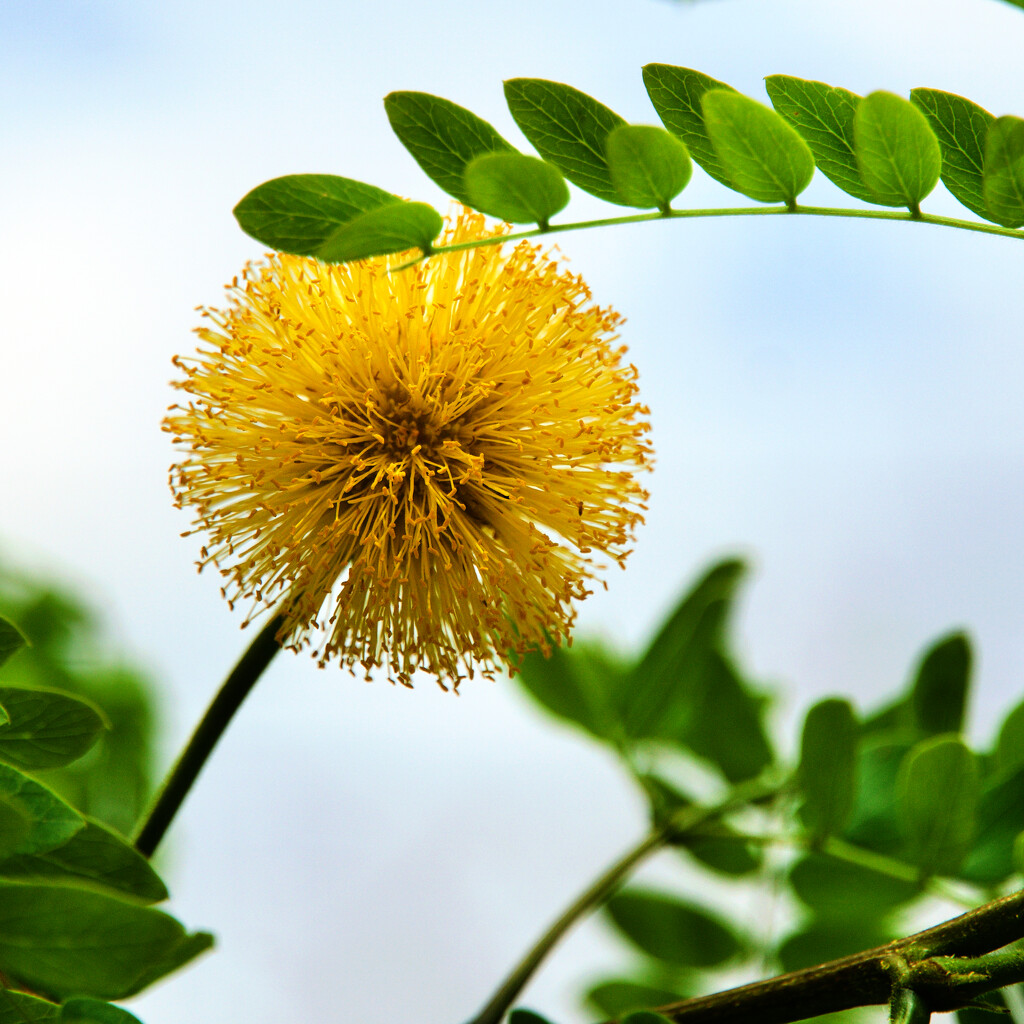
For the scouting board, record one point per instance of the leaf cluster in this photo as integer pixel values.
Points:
(78, 925)
(872, 815)
(882, 149)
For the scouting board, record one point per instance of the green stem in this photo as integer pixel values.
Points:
(732, 211)
(603, 887)
(210, 729)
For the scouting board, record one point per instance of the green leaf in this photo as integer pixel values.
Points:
(616, 997)
(15, 825)
(519, 189)
(763, 156)
(1009, 752)
(95, 856)
(47, 728)
(897, 152)
(961, 127)
(578, 684)
(874, 822)
(568, 128)
(649, 166)
(823, 115)
(21, 1008)
(828, 764)
(5, 718)
(397, 227)
(11, 639)
(820, 941)
(676, 94)
(63, 941)
(523, 1016)
(1003, 183)
(1000, 817)
(53, 821)
(938, 791)
(939, 693)
(83, 1010)
(837, 890)
(671, 930)
(300, 212)
(442, 137)
(664, 685)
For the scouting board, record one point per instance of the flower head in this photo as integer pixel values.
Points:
(420, 469)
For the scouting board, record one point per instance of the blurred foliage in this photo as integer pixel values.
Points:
(875, 814)
(113, 781)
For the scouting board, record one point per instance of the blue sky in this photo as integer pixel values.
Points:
(838, 400)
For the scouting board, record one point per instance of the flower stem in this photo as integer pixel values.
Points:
(210, 729)
(605, 885)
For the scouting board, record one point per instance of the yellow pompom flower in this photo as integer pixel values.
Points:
(419, 469)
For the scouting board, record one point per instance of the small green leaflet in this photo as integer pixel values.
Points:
(83, 1010)
(521, 1015)
(828, 761)
(382, 231)
(443, 138)
(1003, 184)
(762, 155)
(897, 152)
(11, 639)
(53, 822)
(939, 694)
(938, 790)
(519, 189)
(1009, 752)
(961, 127)
(299, 212)
(617, 996)
(21, 1008)
(676, 94)
(649, 166)
(823, 115)
(568, 128)
(47, 728)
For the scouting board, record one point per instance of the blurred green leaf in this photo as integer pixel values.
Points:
(939, 693)
(519, 189)
(21, 1008)
(897, 152)
(938, 793)
(837, 890)
(396, 227)
(95, 856)
(669, 929)
(1003, 182)
(823, 115)
(443, 138)
(568, 128)
(11, 639)
(676, 94)
(616, 997)
(16, 824)
(92, 1011)
(1009, 752)
(53, 822)
(762, 155)
(1000, 818)
(874, 822)
(47, 728)
(649, 166)
(522, 1016)
(828, 765)
(961, 127)
(63, 941)
(820, 941)
(298, 213)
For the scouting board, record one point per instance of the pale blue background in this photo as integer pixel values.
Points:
(839, 399)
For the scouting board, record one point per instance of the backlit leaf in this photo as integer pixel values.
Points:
(827, 772)
(616, 997)
(939, 694)
(568, 128)
(442, 137)
(83, 1010)
(839, 891)
(21, 1008)
(298, 213)
(676, 94)
(763, 157)
(823, 115)
(519, 189)
(1003, 184)
(1009, 752)
(53, 821)
(397, 227)
(961, 127)
(11, 639)
(15, 825)
(47, 728)
(1000, 819)
(897, 152)
(649, 166)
